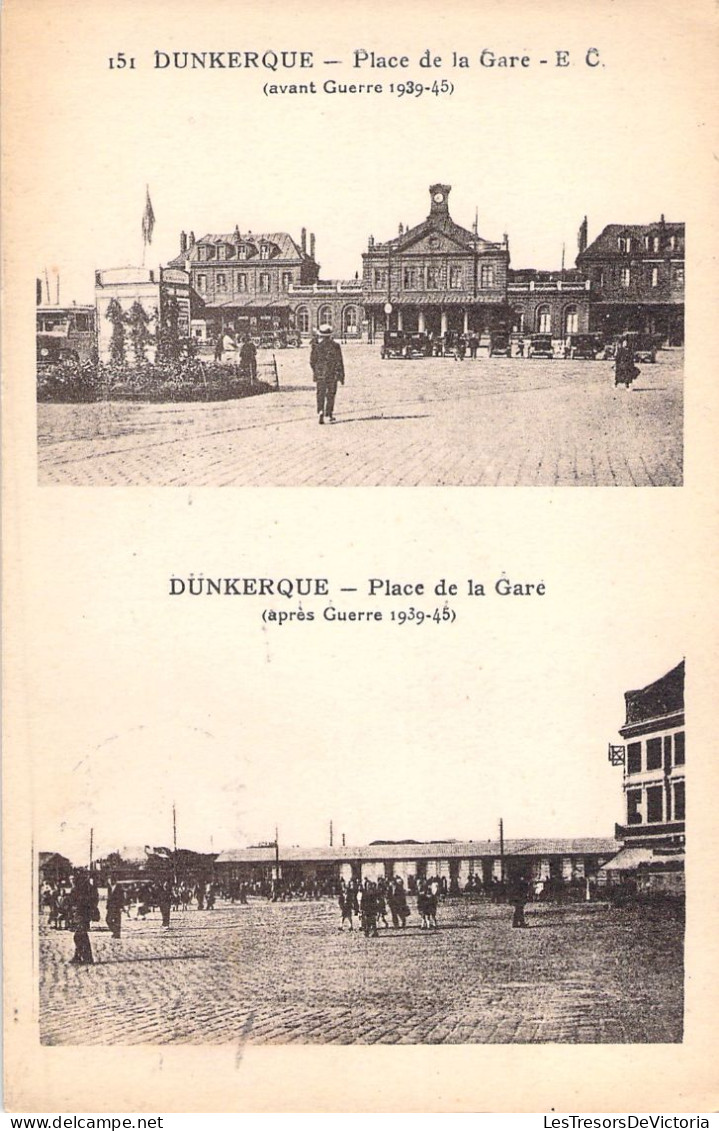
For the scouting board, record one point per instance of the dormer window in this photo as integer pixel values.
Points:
(242, 251)
(201, 252)
(265, 250)
(624, 243)
(222, 251)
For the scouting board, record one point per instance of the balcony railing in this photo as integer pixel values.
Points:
(348, 286)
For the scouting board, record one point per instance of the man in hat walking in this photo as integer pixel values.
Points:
(327, 371)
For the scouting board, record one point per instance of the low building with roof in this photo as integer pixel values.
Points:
(549, 302)
(560, 860)
(53, 867)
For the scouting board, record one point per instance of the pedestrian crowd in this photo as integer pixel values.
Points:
(370, 904)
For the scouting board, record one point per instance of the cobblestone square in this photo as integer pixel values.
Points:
(274, 973)
(500, 422)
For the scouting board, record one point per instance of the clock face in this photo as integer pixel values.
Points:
(438, 197)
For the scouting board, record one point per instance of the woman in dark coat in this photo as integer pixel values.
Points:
(83, 911)
(625, 371)
(115, 904)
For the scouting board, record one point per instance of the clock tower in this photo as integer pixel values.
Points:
(439, 209)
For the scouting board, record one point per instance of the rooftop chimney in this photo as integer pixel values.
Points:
(303, 241)
(192, 239)
(183, 242)
(312, 245)
(583, 236)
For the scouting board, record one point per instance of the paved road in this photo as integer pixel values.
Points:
(278, 973)
(431, 422)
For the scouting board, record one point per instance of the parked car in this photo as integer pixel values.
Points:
(500, 345)
(643, 346)
(541, 346)
(586, 346)
(51, 352)
(418, 344)
(394, 343)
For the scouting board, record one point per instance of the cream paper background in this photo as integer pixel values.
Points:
(93, 648)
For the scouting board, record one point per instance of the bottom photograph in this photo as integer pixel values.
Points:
(503, 938)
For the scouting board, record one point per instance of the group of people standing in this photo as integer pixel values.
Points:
(226, 343)
(370, 901)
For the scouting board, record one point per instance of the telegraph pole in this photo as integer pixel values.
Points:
(501, 849)
(277, 853)
(91, 837)
(331, 835)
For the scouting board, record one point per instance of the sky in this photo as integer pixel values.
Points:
(531, 150)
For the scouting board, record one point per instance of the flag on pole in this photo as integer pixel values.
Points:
(148, 218)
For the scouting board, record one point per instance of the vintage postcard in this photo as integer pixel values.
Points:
(359, 800)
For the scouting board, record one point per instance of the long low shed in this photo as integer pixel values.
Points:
(563, 859)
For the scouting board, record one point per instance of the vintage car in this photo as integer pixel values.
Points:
(65, 336)
(585, 346)
(541, 346)
(643, 346)
(51, 352)
(418, 344)
(500, 345)
(394, 343)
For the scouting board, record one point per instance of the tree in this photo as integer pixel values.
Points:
(169, 341)
(138, 319)
(116, 316)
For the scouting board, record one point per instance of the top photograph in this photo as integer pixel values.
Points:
(439, 362)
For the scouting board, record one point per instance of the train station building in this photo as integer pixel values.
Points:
(436, 277)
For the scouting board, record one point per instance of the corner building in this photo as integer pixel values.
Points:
(242, 282)
(436, 277)
(655, 763)
(637, 279)
(654, 758)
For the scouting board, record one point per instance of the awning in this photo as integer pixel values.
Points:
(672, 861)
(629, 858)
(249, 302)
(436, 298)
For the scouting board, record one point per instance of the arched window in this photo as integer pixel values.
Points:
(350, 320)
(303, 320)
(324, 316)
(544, 320)
(571, 320)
